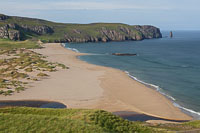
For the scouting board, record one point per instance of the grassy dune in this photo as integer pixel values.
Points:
(17, 63)
(24, 119)
(6, 44)
(65, 120)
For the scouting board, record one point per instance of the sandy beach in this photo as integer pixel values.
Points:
(86, 85)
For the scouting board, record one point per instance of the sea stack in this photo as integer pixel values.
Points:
(171, 34)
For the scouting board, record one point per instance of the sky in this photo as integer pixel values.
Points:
(165, 14)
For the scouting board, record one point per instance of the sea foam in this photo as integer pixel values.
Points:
(73, 49)
(194, 114)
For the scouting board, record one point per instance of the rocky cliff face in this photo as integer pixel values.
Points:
(149, 32)
(40, 30)
(12, 34)
(121, 33)
(17, 32)
(19, 28)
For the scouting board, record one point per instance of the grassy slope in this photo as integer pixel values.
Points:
(64, 120)
(8, 44)
(23, 119)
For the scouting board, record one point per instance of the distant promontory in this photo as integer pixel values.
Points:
(21, 28)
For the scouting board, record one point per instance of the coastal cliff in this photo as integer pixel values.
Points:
(20, 28)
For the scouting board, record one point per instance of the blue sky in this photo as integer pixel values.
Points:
(165, 14)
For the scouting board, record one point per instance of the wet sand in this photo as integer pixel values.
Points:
(31, 103)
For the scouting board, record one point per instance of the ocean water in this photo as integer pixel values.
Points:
(169, 65)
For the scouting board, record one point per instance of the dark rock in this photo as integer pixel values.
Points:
(124, 54)
(171, 34)
(3, 17)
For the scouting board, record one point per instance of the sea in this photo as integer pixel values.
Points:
(169, 65)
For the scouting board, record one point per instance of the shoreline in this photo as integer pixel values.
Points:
(150, 86)
(100, 85)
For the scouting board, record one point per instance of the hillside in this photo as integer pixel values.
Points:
(20, 28)
(26, 119)
(64, 120)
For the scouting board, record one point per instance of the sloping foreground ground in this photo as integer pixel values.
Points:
(24, 119)
(64, 120)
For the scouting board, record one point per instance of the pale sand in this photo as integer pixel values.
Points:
(89, 86)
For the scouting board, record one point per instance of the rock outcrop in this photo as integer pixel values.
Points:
(124, 54)
(149, 32)
(12, 34)
(40, 30)
(18, 32)
(3, 17)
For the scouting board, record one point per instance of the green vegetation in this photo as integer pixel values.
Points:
(193, 124)
(17, 63)
(65, 120)
(24, 119)
(185, 126)
(7, 44)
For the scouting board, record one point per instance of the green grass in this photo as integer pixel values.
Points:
(26, 119)
(7, 44)
(194, 124)
(185, 126)
(21, 119)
